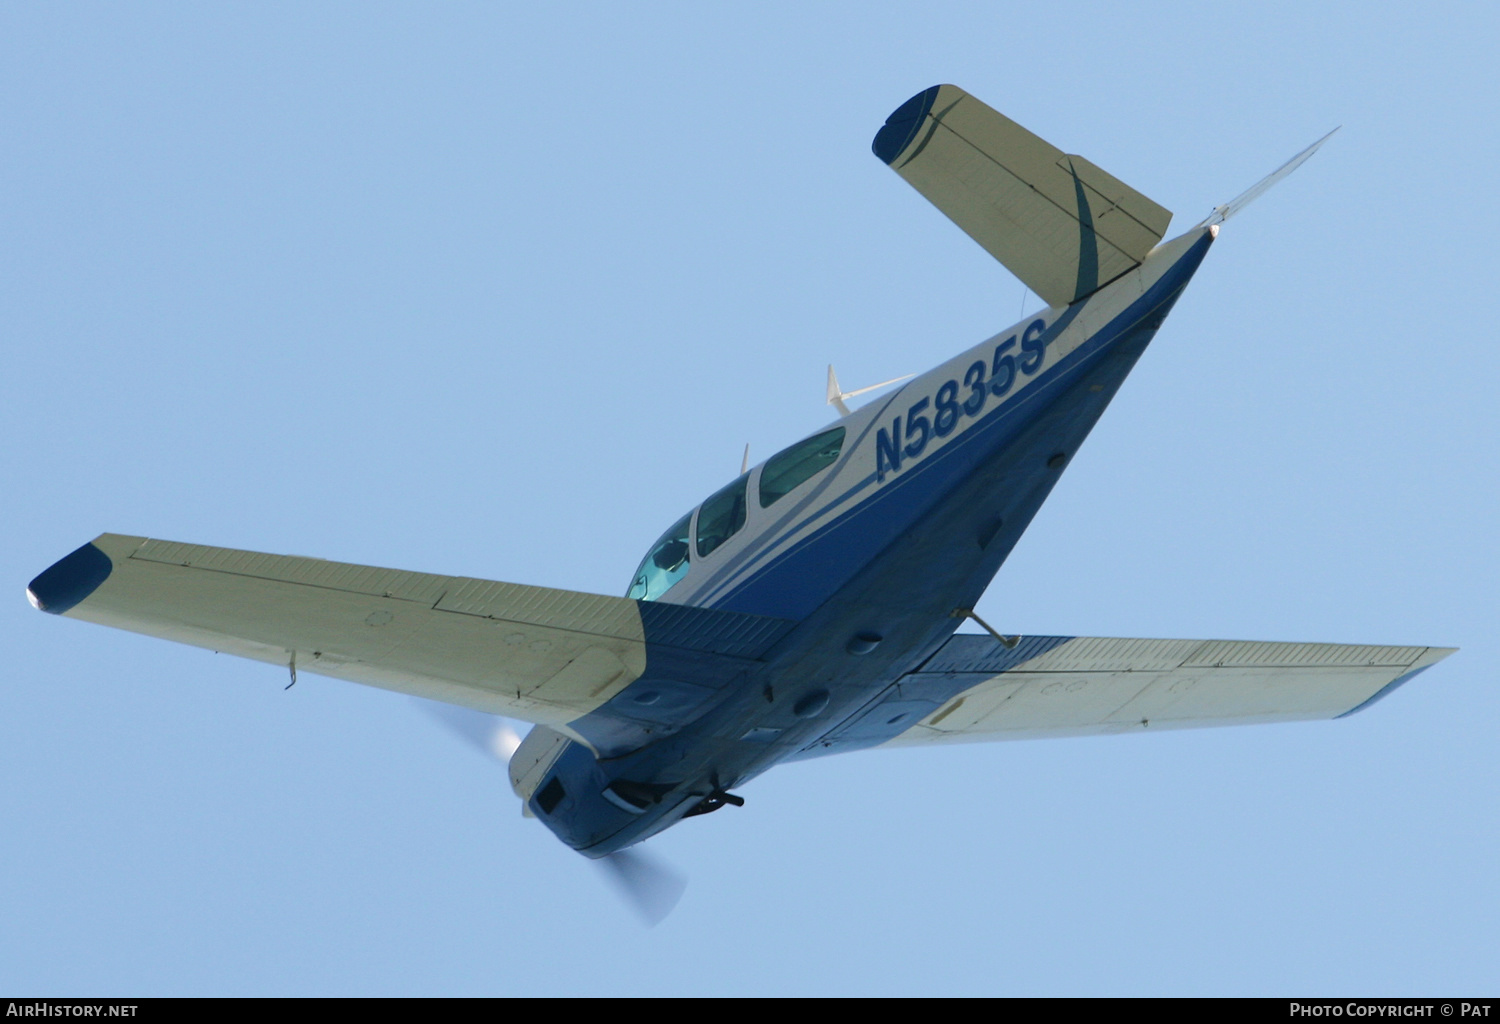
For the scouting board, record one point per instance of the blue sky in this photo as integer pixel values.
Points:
(502, 291)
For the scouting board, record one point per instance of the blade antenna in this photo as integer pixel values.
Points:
(1254, 192)
(836, 395)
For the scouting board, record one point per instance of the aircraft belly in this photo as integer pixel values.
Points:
(912, 604)
(735, 731)
(893, 565)
(944, 555)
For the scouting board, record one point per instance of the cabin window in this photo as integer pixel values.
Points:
(721, 516)
(664, 565)
(802, 461)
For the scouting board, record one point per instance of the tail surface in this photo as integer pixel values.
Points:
(1062, 225)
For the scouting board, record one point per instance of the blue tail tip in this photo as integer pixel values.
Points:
(69, 580)
(902, 126)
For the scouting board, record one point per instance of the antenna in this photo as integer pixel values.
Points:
(1225, 211)
(836, 396)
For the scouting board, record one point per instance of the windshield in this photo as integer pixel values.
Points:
(664, 565)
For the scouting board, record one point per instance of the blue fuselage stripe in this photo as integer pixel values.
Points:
(945, 466)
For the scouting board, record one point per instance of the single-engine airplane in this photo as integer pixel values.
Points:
(810, 606)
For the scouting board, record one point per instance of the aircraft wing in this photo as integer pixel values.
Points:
(974, 689)
(1060, 224)
(533, 653)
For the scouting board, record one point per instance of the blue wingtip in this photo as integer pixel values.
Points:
(901, 127)
(69, 580)
(1385, 691)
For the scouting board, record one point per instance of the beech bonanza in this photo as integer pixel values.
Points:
(809, 606)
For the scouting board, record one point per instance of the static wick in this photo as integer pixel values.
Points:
(1008, 642)
(293, 666)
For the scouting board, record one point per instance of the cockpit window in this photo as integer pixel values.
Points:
(721, 516)
(802, 461)
(665, 564)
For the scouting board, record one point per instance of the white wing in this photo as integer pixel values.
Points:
(533, 653)
(1092, 685)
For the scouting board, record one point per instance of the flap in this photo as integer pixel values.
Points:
(1089, 685)
(975, 689)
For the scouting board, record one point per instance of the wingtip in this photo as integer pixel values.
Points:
(1429, 658)
(70, 580)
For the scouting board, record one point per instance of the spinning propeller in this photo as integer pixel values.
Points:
(649, 885)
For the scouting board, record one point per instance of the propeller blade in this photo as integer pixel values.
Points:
(649, 885)
(489, 733)
(504, 741)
